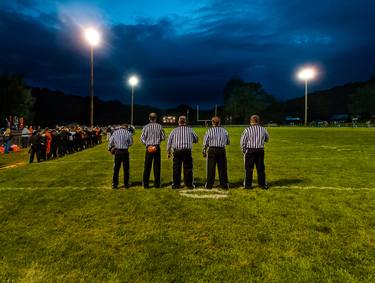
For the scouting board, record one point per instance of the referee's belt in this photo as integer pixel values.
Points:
(216, 147)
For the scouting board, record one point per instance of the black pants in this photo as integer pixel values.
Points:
(254, 157)
(34, 150)
(152, 157)
(25, 142)
(217, 156)
(182, 157)
(121, 157)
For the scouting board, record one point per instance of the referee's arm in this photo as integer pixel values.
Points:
(130, 140)
(111, 142)
(243, 141)
(143, 136)
(169, 143)
(205, 143)
(162, 135)
(228, 140)
(195, 137)
(266, 135)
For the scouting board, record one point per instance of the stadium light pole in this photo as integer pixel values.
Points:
(92, 36)
(306, 74)
(133, 82)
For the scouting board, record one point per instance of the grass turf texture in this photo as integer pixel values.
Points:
(60, 221)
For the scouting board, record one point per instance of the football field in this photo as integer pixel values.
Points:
(61, 221)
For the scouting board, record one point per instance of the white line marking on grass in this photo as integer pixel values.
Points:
(52, 188)
(213, 196)
(8, 167)
(217, 194)
(190, 193)
(203, 190)
(324, 188)
(12, 165)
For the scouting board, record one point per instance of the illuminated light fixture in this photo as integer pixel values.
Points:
(133, 82)
(92, 36)
(306, 74)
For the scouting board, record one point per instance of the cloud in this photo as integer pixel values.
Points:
(189, 58)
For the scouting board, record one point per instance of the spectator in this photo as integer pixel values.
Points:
(25, 137)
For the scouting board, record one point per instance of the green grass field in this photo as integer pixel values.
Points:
(60, 220)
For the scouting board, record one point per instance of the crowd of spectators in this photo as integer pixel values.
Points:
(52, 143)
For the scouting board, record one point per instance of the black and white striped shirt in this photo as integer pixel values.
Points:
(215, 137)
(120, 139)
(181, 138)
(152, 134)
(254, 137)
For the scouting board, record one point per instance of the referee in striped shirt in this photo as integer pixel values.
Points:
(152, 135)
(214, 142)
(181, 141)
(118, 145)
(252, 145)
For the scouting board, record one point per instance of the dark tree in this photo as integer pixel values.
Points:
(363, 100)
(15, 98)
(241, 99)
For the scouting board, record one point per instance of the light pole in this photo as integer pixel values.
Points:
(92, 36)
(133, 82)
(305, 75)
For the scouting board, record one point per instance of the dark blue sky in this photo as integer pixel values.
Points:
(185, 51)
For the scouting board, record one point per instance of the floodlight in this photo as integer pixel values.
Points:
(92, 36)
(133, 81)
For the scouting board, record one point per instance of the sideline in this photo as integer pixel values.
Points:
(193, 191)
(13, 165)
(324, 188)
(214, 193)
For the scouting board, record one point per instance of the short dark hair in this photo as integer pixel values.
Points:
(254, 119)
(152, 117)
(182, 120)
(216, 120)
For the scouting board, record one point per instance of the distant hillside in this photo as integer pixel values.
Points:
(54, 107)
(322, 105)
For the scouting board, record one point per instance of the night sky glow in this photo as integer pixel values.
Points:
(185, 51)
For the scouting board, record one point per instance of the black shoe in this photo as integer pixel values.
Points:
(265, 187)
(114, 187)
(174, 187)
(248, 188)
(226, 187)
(146, 187)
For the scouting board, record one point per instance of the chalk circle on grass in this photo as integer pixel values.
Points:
(204, 194)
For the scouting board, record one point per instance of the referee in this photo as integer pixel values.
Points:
(252, 145)
(181, 141)
(152, 135)
(215, 140)
(118, 145)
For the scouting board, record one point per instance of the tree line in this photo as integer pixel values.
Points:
(41, 106)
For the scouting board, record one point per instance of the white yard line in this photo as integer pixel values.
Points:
(324, 188)
(215, 192)
(211, 196)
